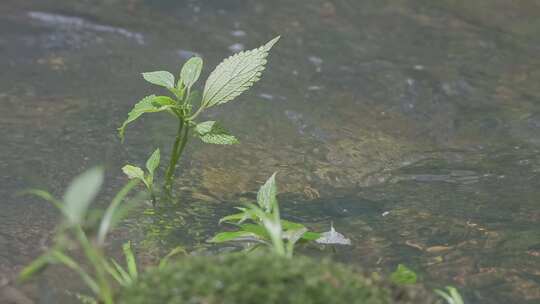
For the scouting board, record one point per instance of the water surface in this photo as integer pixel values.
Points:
(412, 125)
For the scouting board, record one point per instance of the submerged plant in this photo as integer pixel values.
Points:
(261, 224)
(229, 79)
(451, 296)
(403, 275)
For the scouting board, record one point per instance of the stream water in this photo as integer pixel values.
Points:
(413, 126)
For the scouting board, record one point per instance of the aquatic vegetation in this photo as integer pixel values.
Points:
(403, 275)
(261, 224)
(451, 296)
(265, 278)
(134, 172)
(229, 79)
(80, 230)
(73, 230)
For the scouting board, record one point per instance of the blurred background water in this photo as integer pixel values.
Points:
(413, 125)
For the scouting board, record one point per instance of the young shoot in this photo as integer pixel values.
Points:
(261, 224)
(134, 172)
(229, 79)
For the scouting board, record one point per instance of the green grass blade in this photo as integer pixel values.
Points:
(130, 260)
(108, 217)
(35, 267)
(70, 263)
(176, 251)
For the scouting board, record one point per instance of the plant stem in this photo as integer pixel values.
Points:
(169, 175)
(178, 148)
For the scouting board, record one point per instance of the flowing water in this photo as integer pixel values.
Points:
(413, 126)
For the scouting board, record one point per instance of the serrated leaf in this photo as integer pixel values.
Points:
(81, 192)
(153, 162)
(149, 104)
(133, 172)
(266, 197)
(212, 133)
(160, 78)
(232, 236)
(191, 71)
(403, 275)
(235, 75)
(204, 127)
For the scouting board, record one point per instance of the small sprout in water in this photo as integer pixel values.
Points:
(134, 172)
(261, 224)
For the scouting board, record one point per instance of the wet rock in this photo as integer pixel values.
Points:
(77, 23)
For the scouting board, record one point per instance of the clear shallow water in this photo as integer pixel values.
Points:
(427, 113)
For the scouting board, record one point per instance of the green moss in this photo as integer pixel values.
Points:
(239, 278)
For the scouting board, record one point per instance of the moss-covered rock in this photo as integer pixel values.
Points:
(239, 278)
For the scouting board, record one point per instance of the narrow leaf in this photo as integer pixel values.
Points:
(35, 267)
(160, 78)
(191, 71)
(130, 260)
(126, 279)
(81, 192)
(70, 263)
(114, 273)
(235, 218)
(235, 75)
(153, 162)
(46, 196)
(108, 218)
(266, 197)
(165, 260)
(233, 236)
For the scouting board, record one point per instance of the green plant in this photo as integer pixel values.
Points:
(76, 222)
(261, 224)
(134, 172)
(265, 278)
(229, 79)
(74, 209)
(403, 275)
(451, 296)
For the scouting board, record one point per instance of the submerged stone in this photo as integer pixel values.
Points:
(239, 278)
